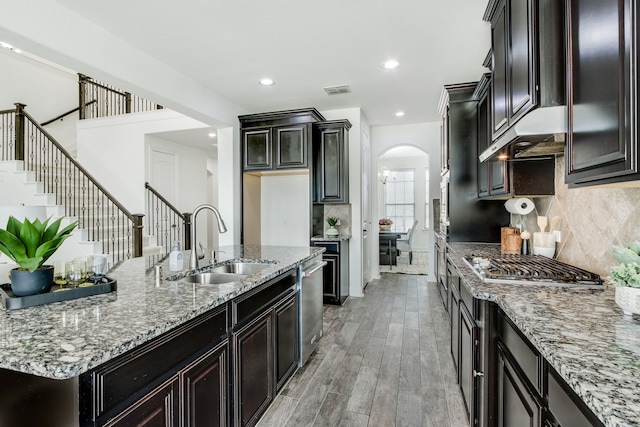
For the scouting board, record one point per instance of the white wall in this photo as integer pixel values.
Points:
(425, 136)
(285, 210)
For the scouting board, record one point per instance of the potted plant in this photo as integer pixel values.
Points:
(385, 224)
(332, 231)
(30, 244)
(626, 277)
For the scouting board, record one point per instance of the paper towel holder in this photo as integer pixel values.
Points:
(519, 206)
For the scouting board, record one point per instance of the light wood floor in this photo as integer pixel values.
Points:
(384, 361)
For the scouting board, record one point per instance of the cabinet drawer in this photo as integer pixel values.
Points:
(254, 302)
(467, 298)
(132, 374)
(527, 358)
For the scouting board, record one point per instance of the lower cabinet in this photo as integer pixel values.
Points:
(178, 379)
(158, 408)
(253, 360)
(265, 346)
(336, 272)
(517, 404)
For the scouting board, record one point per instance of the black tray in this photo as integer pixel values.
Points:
(12, 302)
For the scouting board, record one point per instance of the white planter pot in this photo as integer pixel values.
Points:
(332, 232)
(628, 299)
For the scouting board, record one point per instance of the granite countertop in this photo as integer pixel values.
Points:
(582, 333)
(340, 237)
(63, 340)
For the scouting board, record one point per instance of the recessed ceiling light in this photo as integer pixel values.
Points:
(212, 135)
(266, 82)
(400, 114)
(390, 64)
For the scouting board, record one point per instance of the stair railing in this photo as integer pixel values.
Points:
(165, 222)
(109, 101)
(97, 211)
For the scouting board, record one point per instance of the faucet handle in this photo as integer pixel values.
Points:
(201, 250)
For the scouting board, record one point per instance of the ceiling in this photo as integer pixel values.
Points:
(305, 46)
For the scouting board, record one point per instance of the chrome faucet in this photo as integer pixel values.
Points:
(193, 261)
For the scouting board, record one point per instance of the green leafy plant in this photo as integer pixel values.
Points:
(628, 272)
(332, 221)
(30, 244)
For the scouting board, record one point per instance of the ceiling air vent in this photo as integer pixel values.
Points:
(337, 90)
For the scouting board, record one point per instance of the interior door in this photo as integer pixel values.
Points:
(163, 173)
(366, 208)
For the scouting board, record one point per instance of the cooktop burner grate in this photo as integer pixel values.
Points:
(532, 269)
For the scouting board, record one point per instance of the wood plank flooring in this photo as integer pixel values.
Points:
(384, 361)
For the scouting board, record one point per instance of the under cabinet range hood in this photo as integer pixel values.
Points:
(541, 132)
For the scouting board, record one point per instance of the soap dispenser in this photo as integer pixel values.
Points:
(176, 261)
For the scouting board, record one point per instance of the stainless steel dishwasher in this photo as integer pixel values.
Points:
(311, 285)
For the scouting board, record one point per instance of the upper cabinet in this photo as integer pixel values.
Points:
(331, 161)
(279, 140)
(500, 179)
(528, 58)
(602, 143)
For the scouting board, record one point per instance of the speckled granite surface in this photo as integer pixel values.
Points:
(65, 339)
(583, 334)
(341, 236)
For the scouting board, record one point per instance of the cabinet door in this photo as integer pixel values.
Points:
(499, 43)
(333, 170)
(204, 387)
(159, 408)
(331, 278)
(468, 353)
(444, 143)
(253, 370)
(601, 143)
(286, 330)
(484, 140)
(521, 78)
(257, 149)
(291, 147)
(454, 311)
(517, 406)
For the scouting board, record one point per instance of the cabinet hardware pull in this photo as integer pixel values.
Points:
(477, 373)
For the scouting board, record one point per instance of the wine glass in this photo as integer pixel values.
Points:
(99, 268)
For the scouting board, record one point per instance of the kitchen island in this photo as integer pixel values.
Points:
(581, 334)
(64, 341)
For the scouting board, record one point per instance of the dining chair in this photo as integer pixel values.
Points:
(405, 244)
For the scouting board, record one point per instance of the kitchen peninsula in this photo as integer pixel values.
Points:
(53, 357)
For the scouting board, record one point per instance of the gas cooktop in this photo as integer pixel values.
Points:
(531, 270)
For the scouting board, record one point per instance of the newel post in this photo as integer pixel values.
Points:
(19, 130)
(187, 231)
(137, 234)
(82, 101)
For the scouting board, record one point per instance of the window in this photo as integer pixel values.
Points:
(399, 199)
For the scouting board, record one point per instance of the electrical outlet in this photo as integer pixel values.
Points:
(558, 235)
(338, 222)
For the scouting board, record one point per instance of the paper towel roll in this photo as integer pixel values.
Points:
(519, 205)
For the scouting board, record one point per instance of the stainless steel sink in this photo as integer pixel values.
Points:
(244, 268)
(213, 278)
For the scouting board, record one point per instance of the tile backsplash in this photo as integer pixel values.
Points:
(342, 211)
(593, 219)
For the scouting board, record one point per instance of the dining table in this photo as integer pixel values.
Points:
(388, 247)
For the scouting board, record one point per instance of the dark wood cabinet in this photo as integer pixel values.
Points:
(335, 275)
(517, 404)
(565, 407)
(278, 147)
(130, 385)
(265, 345)
(331, 161)
(528, 58)
(204, 386)
(286, 337)
(253, 367)
(159, 408)
(602, 144)
(468, 376)
(277, 140)
(441, 269)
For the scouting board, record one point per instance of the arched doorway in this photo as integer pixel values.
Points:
(403, 197)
